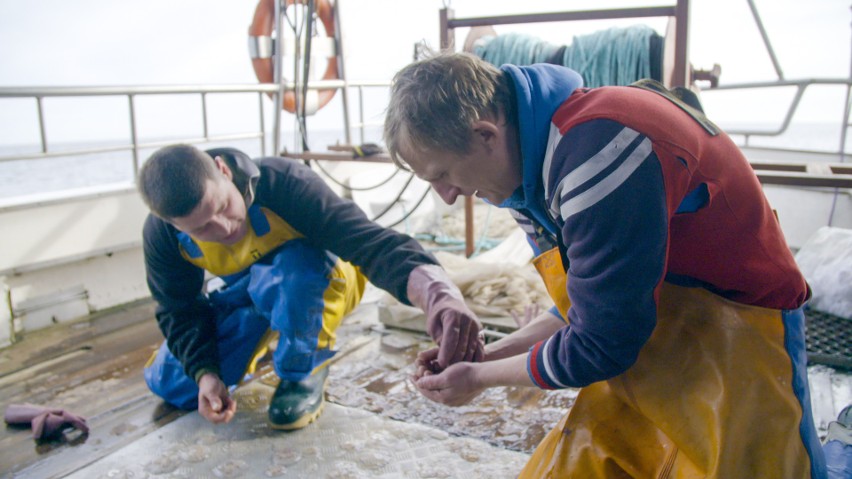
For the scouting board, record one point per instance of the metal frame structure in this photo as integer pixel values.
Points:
(836, 175)
(680, 76)
(679, 11)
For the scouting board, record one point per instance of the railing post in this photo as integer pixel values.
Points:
(204, 115)
(360, 113)
(41, 129)
(448, 35)
(341, 68)
(262, 125)
(765, 38)
(680, 76)
(134, 140)
(277, 98)
(448, 41)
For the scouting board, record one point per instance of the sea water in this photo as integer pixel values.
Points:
(27, 177)
(46, 175)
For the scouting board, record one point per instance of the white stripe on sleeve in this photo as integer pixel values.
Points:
(592, 166)
(606, 186)
(545, 355)
(552, 142)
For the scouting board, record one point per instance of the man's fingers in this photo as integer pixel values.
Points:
(426, 357)
(432, 382)
(231, 406)
(431, 395)
(433, 387)
(474, 351)
(223, 416)
(208, 413)
(480, 352)
(229, 411)
(462, 342)
(216, 407)
(218, 418)
(436, 389)
(420, 373)
(474, 345)
(449, 344)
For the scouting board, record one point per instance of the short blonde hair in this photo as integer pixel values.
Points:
(435, 101)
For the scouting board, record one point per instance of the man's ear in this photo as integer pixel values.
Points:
(486, 132)
(223, 167)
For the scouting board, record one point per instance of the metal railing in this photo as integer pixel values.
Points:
(801, 85)
(132, 93)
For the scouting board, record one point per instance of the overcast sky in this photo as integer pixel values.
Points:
(119, 42)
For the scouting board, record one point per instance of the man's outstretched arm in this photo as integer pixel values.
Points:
(450, 323)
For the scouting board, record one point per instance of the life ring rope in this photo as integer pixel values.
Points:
(262, 48)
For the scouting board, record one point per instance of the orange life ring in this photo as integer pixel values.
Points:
(261, 28)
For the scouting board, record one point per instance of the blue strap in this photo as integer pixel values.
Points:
(189, 245)
(258, 220)
(694, 200)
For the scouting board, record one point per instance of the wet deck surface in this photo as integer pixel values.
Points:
(91, 368)
(375, 423)
(94, 368)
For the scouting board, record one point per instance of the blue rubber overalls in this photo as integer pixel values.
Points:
(274, 279)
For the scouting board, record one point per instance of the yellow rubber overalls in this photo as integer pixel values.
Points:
(275, 280)
(717, 391)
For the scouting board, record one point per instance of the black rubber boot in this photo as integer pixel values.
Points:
(296, 404)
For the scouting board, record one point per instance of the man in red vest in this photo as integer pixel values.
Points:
(678, 303)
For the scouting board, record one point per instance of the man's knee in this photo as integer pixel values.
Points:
(165, 377)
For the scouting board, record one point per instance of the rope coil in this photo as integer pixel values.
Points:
(615, 56)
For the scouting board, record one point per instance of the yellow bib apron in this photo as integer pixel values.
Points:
(712, 394)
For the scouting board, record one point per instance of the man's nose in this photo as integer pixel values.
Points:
(446, 192)
(222, 225)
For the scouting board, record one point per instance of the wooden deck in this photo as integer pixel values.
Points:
(93, 367)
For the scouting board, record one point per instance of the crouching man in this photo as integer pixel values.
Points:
(295, 259)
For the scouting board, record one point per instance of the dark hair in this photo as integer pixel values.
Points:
(173, 179)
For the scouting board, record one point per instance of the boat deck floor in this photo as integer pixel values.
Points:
(375, 424)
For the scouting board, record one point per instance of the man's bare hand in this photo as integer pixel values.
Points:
(530, 313)
(455, 386)
(214, 402)
(426, 364)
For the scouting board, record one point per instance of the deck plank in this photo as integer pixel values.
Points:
(91, 367)
(94, 368)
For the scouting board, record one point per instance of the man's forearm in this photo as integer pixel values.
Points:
(510, 371)
(541, 327)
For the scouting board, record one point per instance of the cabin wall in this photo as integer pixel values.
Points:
(65, 258)
(803, 211)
